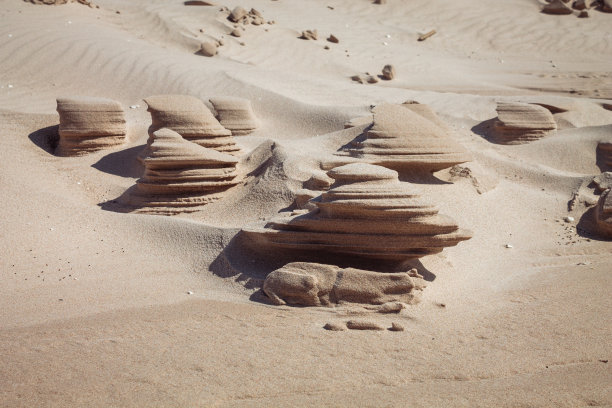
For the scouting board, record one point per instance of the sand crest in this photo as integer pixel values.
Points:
(189, 117)
(519, 123)
(235, 114)
(366, 213)
(400, 138)
(89, 124)
(180, 175)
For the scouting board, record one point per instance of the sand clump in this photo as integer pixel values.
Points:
(180, 175)
(235, 114)
(519, 123)
(603, 215)
(191, 118)
(364, 325)
(388, 72)
(367, 213)
(314, 284)
(309, 35)
(399, 138)
(556, 7)
(89, 124)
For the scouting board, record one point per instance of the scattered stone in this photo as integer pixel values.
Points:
(198, 3)
(309, 35)
(425, 36)
(556, 7)
(334, 326)
(568, 219)
(236, 32)
(134, 106)
(396, 327)
(208, 49)
(509, 246)
(391, 307)
(584, 4)
(326, 47)
(388, 72)
(380, 1)
(363, 325)
(190, 293)
(237, 14)
(583, 14)
(333, 39)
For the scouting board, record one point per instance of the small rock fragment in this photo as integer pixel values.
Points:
(425, 36)
(568, 219)
(388, 72)
(363, 325)
(237, 14)
(333, 39)
(309, 35)
(380, 1)
(509, 246)
(396, 327)
(583, 14)
(391, 307)
(334, 327)
(189, 292)
(236, 32)
(208, 49)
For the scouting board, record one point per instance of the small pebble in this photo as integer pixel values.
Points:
(190, 293)
(134, 106)
(334, 327)
(509, 246)
(569, 219)
(396, 327)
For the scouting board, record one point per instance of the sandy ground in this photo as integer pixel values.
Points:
(94, 308)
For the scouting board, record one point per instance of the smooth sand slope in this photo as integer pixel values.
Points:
(105, 306)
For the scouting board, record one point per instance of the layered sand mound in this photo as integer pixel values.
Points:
(235, 114)
(313, 284)
(88, 124)
(368, 213)
(519, 123)
(180, 174)
(189, 117)
(400, 138)
(604, 154)
(603, 214)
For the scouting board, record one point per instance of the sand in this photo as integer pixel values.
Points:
(101, 307)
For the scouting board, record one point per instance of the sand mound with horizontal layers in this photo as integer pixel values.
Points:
(89, 124)
(180, 175)
(519, 123)
(189, 117)
(313, 284)
(603, 214)
(401, 138)
(235, 114)
(366, 213)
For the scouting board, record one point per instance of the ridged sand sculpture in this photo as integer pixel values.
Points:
(367, 212)
(180, 174)
(519, 123)
(401, 138)
(89, 124)
(313, 284)
(235, 114)
(191, 118)
(603, 214)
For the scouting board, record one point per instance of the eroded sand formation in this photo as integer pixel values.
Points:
(180, 175)
(189, 117)
(400, 138)
(313, 284)
(88, 124)
(235, 114)
(368, 213)
(603, 214)
(519, 123)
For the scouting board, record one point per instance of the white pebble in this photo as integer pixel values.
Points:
(509, 246)
(385, 43)
(10, 86)
(190, 293)
(569, 219)
(134, 106)
(69, 22)
(10, 35)
(388, 36)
